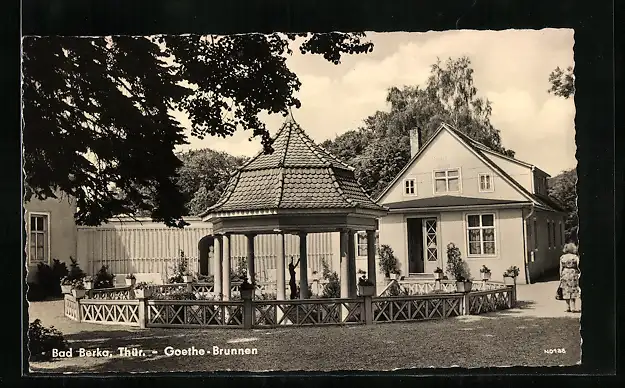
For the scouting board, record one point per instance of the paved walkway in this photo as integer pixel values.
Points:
(539, 300)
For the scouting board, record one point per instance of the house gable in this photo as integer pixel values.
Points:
(445, 151)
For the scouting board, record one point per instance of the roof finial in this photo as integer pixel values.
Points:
(289, 118)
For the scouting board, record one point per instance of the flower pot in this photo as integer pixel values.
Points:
(88, 285)
(66, 289)
(143, 293)
(131, 282)
(438, 275)
(465, 286)
(187, 278)
(394, 276)
(247, 293)
(78, 293)
(509, 280)
(485, 275)
(366, 290)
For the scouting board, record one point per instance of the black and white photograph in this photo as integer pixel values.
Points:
(323, 201)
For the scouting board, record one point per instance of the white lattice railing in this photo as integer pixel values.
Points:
(115, 293)
(71, 307)
(120, 312)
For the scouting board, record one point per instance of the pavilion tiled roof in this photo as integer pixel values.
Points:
(299, 174)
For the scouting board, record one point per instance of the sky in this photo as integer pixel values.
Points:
(511, 69)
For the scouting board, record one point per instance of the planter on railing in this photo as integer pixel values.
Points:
(464, 286)
(509, 280)
(366, 290)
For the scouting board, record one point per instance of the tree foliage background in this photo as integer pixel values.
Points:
(381, 148)
(98, 120)
(562, 187)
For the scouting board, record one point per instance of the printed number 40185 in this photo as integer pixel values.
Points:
(555, 351)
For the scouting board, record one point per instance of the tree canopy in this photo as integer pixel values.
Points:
(562, 82)
(563, 188)
(203, 177)
(449, 95)
(99, 120)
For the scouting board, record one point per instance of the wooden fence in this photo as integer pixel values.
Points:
(250, 313)
(152, 248)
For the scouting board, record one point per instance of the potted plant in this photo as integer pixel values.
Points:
(485, 273)
(130, 279)
(89, 282)
(438, 273)
(187, 277)
(388, 261)
(247, 289)
(459, 269)
(142, 290)
(509, 277)
(66, 285)
(365, 287)
(78, 289)
(395, 273)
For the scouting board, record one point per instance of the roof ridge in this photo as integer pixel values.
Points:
(280, 187)
(286, 145)
(315, 148)
(262, 151)
(339, 189)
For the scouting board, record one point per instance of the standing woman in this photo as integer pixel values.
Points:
(569, 276)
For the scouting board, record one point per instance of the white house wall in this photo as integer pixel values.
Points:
(393, 232)
(447, 152)
(520, 173)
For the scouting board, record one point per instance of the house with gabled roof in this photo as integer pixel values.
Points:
(493, 207)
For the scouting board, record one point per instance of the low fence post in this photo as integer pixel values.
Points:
(78, 309)
(248, 309)
(466, 304)
(143, 316)
(368, 310)
(513, 295)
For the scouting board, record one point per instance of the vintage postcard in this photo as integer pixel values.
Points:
(300, 202)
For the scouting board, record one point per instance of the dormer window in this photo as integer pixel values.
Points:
(486, 183)
(410, 187)
(447, 181)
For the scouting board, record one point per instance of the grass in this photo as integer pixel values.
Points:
(496, 339)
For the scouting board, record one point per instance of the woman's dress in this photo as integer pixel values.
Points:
(569, 278)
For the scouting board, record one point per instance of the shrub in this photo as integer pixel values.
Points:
(241, 268)
(388, 261)
(396, 290)
(484, 269)
(35, 292)
(205, 278)
(49, 279)
(104, 279)
(456, 267)
(181, 269)
(41, 341)
(75, 272)
(332, 289)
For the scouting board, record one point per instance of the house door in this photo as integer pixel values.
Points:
(430, 244)
(415, 245)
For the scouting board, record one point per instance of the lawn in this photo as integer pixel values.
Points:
(497, 339)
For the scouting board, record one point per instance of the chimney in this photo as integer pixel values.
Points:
(414, 141)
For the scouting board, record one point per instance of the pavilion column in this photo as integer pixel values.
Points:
(251, 271)
(226, 267)
(371, 251)
(303, 266)
(217, 262)
(280, 269)
(344, 276)
(351, 256)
